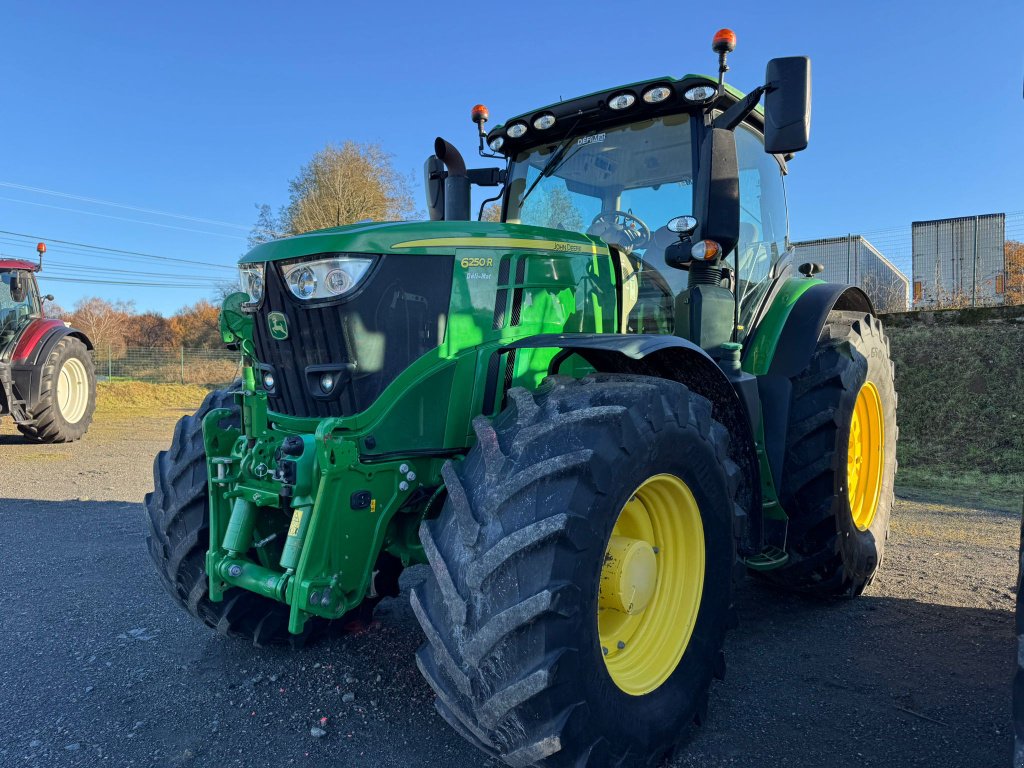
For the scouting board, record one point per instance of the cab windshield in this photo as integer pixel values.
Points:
(624, 184)
(17, 303)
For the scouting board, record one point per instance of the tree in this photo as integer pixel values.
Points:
(556, 210)
(197, 326)
(1013, 281)
(103, 321)
(150, 329)
(339, 185)
(492, 212)
(267, 226)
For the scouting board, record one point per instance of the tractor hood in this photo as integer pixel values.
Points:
(423, 237)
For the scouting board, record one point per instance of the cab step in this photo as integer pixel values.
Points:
(768, 559)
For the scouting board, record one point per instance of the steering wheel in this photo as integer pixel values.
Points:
(621, 229)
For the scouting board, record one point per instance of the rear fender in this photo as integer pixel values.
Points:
(782, 347)
(678, 359)
(33, 350)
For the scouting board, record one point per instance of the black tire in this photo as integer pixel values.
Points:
(829, 555)
(179, 534)
(510, 606)
(50, 424)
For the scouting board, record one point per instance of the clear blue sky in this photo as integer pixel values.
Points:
(203, 108)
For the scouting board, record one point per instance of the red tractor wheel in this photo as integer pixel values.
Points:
(67, 396)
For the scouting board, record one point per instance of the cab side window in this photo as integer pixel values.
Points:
(763, 217)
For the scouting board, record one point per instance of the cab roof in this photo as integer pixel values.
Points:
(591, 112)
(6, 264)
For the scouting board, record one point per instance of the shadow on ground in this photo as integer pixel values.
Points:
(102, 665)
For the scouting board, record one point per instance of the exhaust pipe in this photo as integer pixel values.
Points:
(456, 183)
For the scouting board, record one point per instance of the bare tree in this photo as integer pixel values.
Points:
(339, 185)
(887, 294)
(103, 321)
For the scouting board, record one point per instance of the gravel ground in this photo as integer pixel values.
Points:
(103, 669)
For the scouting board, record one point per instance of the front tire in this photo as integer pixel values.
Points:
(67, 397)
(179, 535)
(540, 516)
(840, 467)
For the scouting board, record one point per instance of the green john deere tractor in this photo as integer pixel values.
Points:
(589, 419)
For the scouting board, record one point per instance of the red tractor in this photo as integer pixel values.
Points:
(47, 376)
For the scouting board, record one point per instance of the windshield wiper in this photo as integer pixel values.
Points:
(553, 163)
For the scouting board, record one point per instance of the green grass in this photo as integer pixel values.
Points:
(115, 396)
(961, 406)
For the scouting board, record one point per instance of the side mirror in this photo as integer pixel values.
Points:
(48, 297)
(433, 181)
(717, 190)
(787, 105)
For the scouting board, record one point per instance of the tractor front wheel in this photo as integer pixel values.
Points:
(67, 395)
(580, 574)
(179, 535)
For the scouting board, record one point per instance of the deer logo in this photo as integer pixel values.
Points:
(278, 325)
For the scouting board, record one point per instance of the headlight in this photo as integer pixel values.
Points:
(250, 278)
(325, 278)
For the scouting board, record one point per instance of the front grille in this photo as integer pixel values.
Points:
(398, 314)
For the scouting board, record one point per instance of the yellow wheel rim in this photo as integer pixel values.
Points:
(865, 457)
(652, 579)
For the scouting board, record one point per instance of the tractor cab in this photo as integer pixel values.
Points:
(631, 164)
(19, 299)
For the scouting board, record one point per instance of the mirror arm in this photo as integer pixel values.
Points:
(735, 114)
(480, 214)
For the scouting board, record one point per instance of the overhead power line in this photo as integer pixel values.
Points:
(89, 281)
(98, 201)
(105, 249)
(123, 218)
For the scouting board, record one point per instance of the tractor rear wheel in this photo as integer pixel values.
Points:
(580, 574)
(840, 465)
(67, 395)
(179, 535)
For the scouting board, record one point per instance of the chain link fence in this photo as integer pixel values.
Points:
(168, 365)
(967, 261)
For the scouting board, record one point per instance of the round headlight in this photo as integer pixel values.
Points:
(496, 143)
(268, 380)
(621, 100)
(657, 94)
(302, 282)
(543, 122)
(516, 130)
(700, 93)
(327, 382)
(338, 281)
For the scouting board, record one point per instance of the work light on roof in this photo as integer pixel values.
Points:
(657, 94)
(496, 143)
(623, 100)
(699, 93)
(543, 122)
(516, 130)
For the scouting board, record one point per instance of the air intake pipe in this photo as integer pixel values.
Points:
(456, 183)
